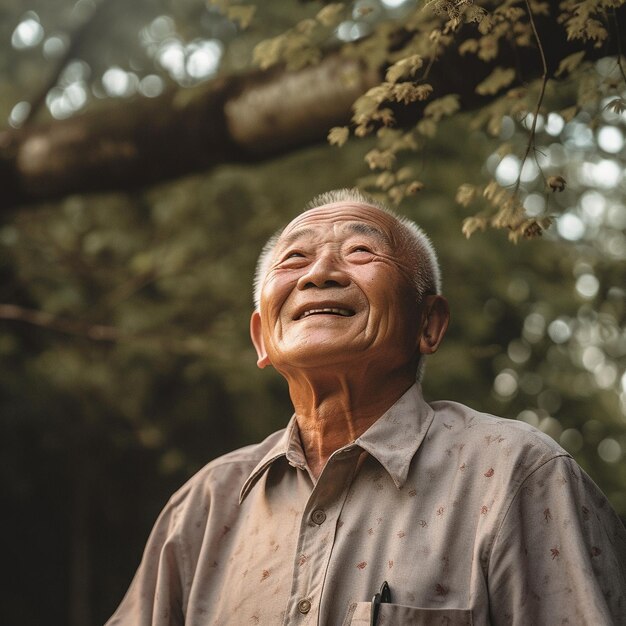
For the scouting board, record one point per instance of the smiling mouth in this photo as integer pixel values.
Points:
(328, 311)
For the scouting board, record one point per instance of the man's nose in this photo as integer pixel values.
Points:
(326, 271)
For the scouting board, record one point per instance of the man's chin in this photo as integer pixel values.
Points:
(327, 353)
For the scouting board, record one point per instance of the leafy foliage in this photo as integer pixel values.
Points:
(123, 333)
(435, 28)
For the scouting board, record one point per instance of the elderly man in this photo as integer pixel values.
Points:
(461, 517)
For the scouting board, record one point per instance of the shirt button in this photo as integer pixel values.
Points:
(318, 516)
(304, 606)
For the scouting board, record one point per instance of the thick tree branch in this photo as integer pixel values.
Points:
(97, 332)
(233, 119)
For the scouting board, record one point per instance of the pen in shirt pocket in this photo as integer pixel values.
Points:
(384, 595)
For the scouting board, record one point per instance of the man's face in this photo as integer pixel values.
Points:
(339, 289)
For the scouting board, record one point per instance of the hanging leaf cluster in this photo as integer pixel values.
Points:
(403, 112)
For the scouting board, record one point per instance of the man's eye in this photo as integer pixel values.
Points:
(361, 249)
(294, 255)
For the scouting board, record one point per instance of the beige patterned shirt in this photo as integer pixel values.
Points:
(471, 519)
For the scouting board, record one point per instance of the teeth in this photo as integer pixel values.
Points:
(342, 312)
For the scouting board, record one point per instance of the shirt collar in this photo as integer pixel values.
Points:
(392, 439)
(288, 446)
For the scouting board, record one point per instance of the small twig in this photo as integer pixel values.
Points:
(544, 82)
(619, 46)
(97, 332)
(431, 62)
(543, 175)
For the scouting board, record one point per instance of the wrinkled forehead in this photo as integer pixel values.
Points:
(341, 215)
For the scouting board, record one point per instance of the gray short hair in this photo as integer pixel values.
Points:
(427, 275)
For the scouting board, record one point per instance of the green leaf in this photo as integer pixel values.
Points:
(427, 127)
(268, 52)
(338, 135)
(569, 63)
(472, 224)
(403, 68)
(331, 14)
(468, 46)
(466, 194)
(241, 14)
(377, 159)
(442, 107)
(498, 79)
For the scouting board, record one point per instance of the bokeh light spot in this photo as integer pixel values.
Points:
(616, 216)
(28, 33)
(606, 375)
(578, 135)
(551, 427)
(518, 351)
(204, 60)
(530, 171)
(606, 174)
(609, 450)
(610, 139)
(587, 285)
(571, 440)
(570, 227)
(54, 47)
(151, 86)
(559, 331)
(351, 31)
(518, 289)
(592, 358)
(534, 204)
(554, 124)
(549, 400)
(393, 4)
(530, 417)
(508, 170)
(19, 113)
(505, 383)
(534, 327)
(172, 58)
(117, 82)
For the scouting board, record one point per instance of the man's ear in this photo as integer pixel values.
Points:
(256, 334)
(435, 318)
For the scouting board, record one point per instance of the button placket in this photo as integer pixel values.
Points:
(313, 550)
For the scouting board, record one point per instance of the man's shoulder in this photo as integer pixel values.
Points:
(492, 436)
(228, 471)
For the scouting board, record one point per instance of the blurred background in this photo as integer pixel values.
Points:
(126, 261)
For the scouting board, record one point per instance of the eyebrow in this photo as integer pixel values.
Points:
(355, 227)
(294, 236)
(367, 229)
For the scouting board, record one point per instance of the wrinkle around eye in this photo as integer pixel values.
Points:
(292, 260)
(290, 253)
(361, 254)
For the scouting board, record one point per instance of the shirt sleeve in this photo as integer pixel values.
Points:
(154, 597)
(559, 556)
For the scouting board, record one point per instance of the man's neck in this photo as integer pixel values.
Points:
(334, 409)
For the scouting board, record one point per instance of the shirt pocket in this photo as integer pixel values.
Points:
(398, 615)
